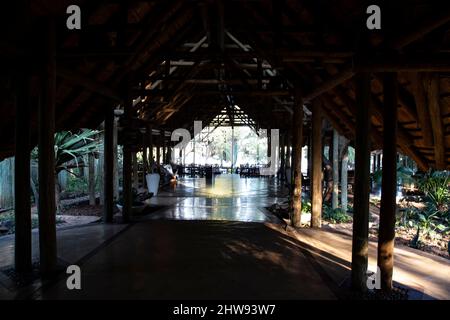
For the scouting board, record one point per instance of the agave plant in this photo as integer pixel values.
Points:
(436, 186)
(69, 151)
(69, 146)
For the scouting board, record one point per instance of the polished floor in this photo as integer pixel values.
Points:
(213, 241)
(225, 198)
(197, 260)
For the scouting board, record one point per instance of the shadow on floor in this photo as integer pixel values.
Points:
(202, 260)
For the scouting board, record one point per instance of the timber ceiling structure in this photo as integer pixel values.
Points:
(189, 60)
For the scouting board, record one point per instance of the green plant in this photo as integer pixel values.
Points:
(431, 223)
(306, 206)
(69, 149)
(436, 187)
(428, 223)
(404, 175)
(335, 215)
(76, 184)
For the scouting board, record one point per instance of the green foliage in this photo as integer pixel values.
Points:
(428, 222)
(72, 147)
(76, 185)
(405, 175)
(306, 206)
(436, 187)
(335, 215)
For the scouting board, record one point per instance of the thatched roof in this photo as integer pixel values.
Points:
(188, 60)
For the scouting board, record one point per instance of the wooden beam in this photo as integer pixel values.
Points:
(297, 127)
(406, 144)
(432, 84)
(403, 63)
(422, 110)
(316, 179)
(46, 206)
(336, 80)
(156, 93)
(432, 23)
(398, 43)
(360, 243)
(386, 234)
(338, 111)
(87, 83)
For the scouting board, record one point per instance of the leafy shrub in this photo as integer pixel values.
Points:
(76, 185)
(306, 206)
(335, 215)
(436, 186)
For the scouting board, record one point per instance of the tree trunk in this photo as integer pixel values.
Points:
(297, 161)
(58, 195)
(35, 191)
(316, 161)
(335, 196)
(100, 165)
(7, 183)
(91, 179)
(386, 234)
(344, 174)
(116, 160)
(360, 240)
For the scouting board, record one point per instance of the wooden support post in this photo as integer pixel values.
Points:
(91, 179)
(169, 154)
(108, 173)
(150, 146)
(282, 157)
(309, 158)
(360, 243)
(158, 150)
(316, 175)
(135, 170)
(335, 194)
(297, 127)
(47, 176)
(288, 153)
(101, 163)
(373, 161)
(344, 175)
(144, 157)
(116, 158)
(164, 148)
(386, 234)
(22, 196)
(127, 164)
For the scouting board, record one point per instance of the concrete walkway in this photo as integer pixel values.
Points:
(428, 274)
